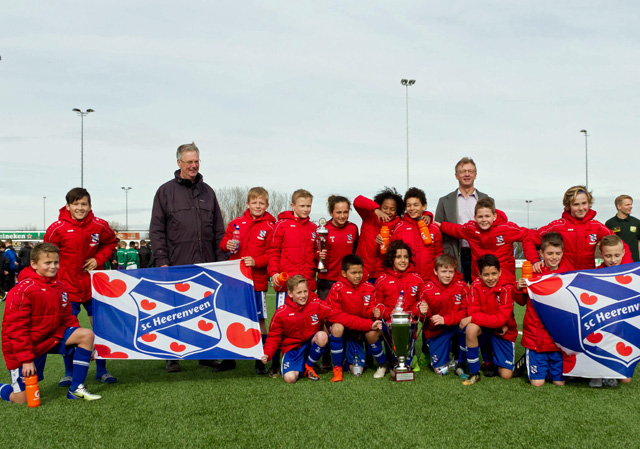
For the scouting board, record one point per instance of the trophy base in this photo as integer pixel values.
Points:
(405, 375)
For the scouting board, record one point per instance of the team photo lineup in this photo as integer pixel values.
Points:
(408, 291)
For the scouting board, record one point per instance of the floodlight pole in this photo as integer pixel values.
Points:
(126, 194)
(528, 202)
(44, 213)
(82, 114)
(406, 83)
(586, 158)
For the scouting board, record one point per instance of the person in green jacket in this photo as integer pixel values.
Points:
(131, 257)
(120, 255)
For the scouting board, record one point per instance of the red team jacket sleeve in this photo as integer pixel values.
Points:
(459, 310)
(20, 326)
(452, 229)
(364, 206)
(107, 244)
(493, 321)
(274, 251)
(530, 245)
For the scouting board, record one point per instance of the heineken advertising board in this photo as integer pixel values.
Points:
(21, 235)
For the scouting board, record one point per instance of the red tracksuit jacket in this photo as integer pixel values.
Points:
(424, 256)
(493, 308)
(254, 240)
(448, 301)
(293, 248)
(355, 300)
(534, 334)
(78, 241)
(293, 324)
(368, 249)
(390, 284)
(340, 242)
(580, 239)
(497, 240)
(36, 314)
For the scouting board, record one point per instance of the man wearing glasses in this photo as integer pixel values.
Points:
(458, 207)
(186, 222)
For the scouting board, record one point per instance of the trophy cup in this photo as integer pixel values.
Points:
(322, 234)
(401, 340)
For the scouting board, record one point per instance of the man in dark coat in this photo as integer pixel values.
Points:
(145, 255)
(186, 221)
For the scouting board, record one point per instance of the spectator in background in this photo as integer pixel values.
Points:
(625, 226)
(24, 255)
(131, 258)
(4, 267)
(144, 254)
(12, 258)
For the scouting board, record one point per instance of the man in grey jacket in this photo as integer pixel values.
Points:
(186, 222)
(458, 207)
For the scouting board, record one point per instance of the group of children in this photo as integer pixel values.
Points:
(396, 263)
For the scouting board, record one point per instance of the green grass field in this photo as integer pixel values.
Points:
(197, 408)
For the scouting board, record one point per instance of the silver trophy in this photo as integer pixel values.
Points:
(322, 234)
(401, 339)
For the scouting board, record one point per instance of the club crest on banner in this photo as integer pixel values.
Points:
(594, 317)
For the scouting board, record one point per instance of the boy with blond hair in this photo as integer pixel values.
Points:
(256, 228)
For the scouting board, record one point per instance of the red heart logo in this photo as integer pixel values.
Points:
(568, 362)
(208, 293)
(147, 305)
(245, 270)
(105, 351)
(182, 287)
(107, 287)
(149, 337)
(546, 287)
(204, 326)
(177, 347)
(595, 338)
(624, 350)
(241, 337)
(624, 279)
(588, 299)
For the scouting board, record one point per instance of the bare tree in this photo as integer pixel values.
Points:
(233, 202)
(28, 227)
(116, 226)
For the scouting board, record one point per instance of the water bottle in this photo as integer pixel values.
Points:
(33, 391)
(357, 366)
(400, 303)
(235, 237)
(442, 370)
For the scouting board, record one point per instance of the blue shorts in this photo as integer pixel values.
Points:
(280, 296)
(544, 365)
(88, 306)
(354, 347)
(440, 346)
(504, 351)
(17, 379)
(295, 359)
(261, 305)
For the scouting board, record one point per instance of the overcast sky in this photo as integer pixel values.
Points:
(303, 94)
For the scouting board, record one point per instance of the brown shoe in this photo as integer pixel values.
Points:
(173, 366)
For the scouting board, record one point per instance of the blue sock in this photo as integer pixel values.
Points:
(473, 357)
(80, 367)
(315, 353)
(68, 365)
(462, 357)
(337, 350)
(5, 392)
(378, 352)
(101, 368)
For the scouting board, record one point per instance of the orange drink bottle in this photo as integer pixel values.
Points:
(385, 233)
(33, 391)
(425, 235)
(527, 271)
(283, 277)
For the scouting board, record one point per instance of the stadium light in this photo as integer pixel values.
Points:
(586, 158)
(82, 114)
(406, 83)
(528, 202)
(126, 195)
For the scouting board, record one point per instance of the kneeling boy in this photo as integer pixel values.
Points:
(490, 317)
(38, 320)
(296, 329)
(544, 359)
(442, 304)
(350, 295)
